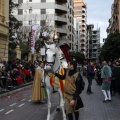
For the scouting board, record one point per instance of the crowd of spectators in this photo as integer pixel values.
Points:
(14, 73)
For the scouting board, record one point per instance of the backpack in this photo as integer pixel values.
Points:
(82, 85)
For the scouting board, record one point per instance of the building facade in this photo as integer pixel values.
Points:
(70, 24)
(4, 28)
(53, 13)
(93, 43)
(80, 14)
(114, 21)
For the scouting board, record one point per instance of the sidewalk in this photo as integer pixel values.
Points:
(94, 108)
(16, 89)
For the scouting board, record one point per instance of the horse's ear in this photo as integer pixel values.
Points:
(46, 45)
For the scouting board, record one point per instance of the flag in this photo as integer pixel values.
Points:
(33, 36)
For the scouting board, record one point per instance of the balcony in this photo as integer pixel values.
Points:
(83, 11)
(61, 1)
(61, 9)
(83, 47)
(60, 20)
(82, 41)
(61, 30)
(83, 16)
(94, 48)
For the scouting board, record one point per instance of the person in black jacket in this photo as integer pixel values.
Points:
(90, 75)
(72, 90)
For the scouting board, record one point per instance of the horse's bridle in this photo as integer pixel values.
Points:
(50, 63)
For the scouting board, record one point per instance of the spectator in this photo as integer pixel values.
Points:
(113, 79)
(90, 76)
(106, 75)
(4, 77)
(27, 73)
(1, 63)
(79, 68)
(22, 74)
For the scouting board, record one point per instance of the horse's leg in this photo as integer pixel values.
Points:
(48, 90)
(49, 102)
(62, 104)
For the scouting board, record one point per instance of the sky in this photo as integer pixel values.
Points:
(98, 13)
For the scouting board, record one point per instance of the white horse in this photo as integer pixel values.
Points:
(53, 63)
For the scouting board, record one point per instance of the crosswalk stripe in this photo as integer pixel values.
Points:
(23, 99)
(21, 105)
(2, 110)
(9, 111)
(13, 104)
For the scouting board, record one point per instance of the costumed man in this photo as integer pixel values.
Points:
(72, 90)
(38, 93)
(61, 46)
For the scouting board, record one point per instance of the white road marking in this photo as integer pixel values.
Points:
(21, 105)
(2, 110)
(13, 104)
(8, 96)
(29, 100)
(23, 99)
(9, 112)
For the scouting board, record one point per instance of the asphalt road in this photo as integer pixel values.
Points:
(18, 106)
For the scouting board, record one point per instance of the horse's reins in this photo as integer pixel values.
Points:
(53, 63)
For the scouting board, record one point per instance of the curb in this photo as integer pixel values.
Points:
(23, 87)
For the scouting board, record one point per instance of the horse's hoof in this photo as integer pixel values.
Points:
(58, 109)
(64, 118)
(48, 118)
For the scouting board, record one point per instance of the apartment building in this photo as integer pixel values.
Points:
(114, 21)
(4, 28)
(80, 14)
(70, 24)
(57, 14)
(93, 43)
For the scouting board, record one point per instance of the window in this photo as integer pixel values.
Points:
(21, 23)
(20, 1)
(42, 22)
(20, 11)
(30, 10)
(30, 0)
(43, 11)
(30, 22)
(43, 0)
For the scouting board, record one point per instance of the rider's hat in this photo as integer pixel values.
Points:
(56, 35)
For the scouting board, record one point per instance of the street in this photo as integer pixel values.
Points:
(18, 106)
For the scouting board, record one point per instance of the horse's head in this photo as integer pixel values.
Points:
(62, 59)
(50, 55)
